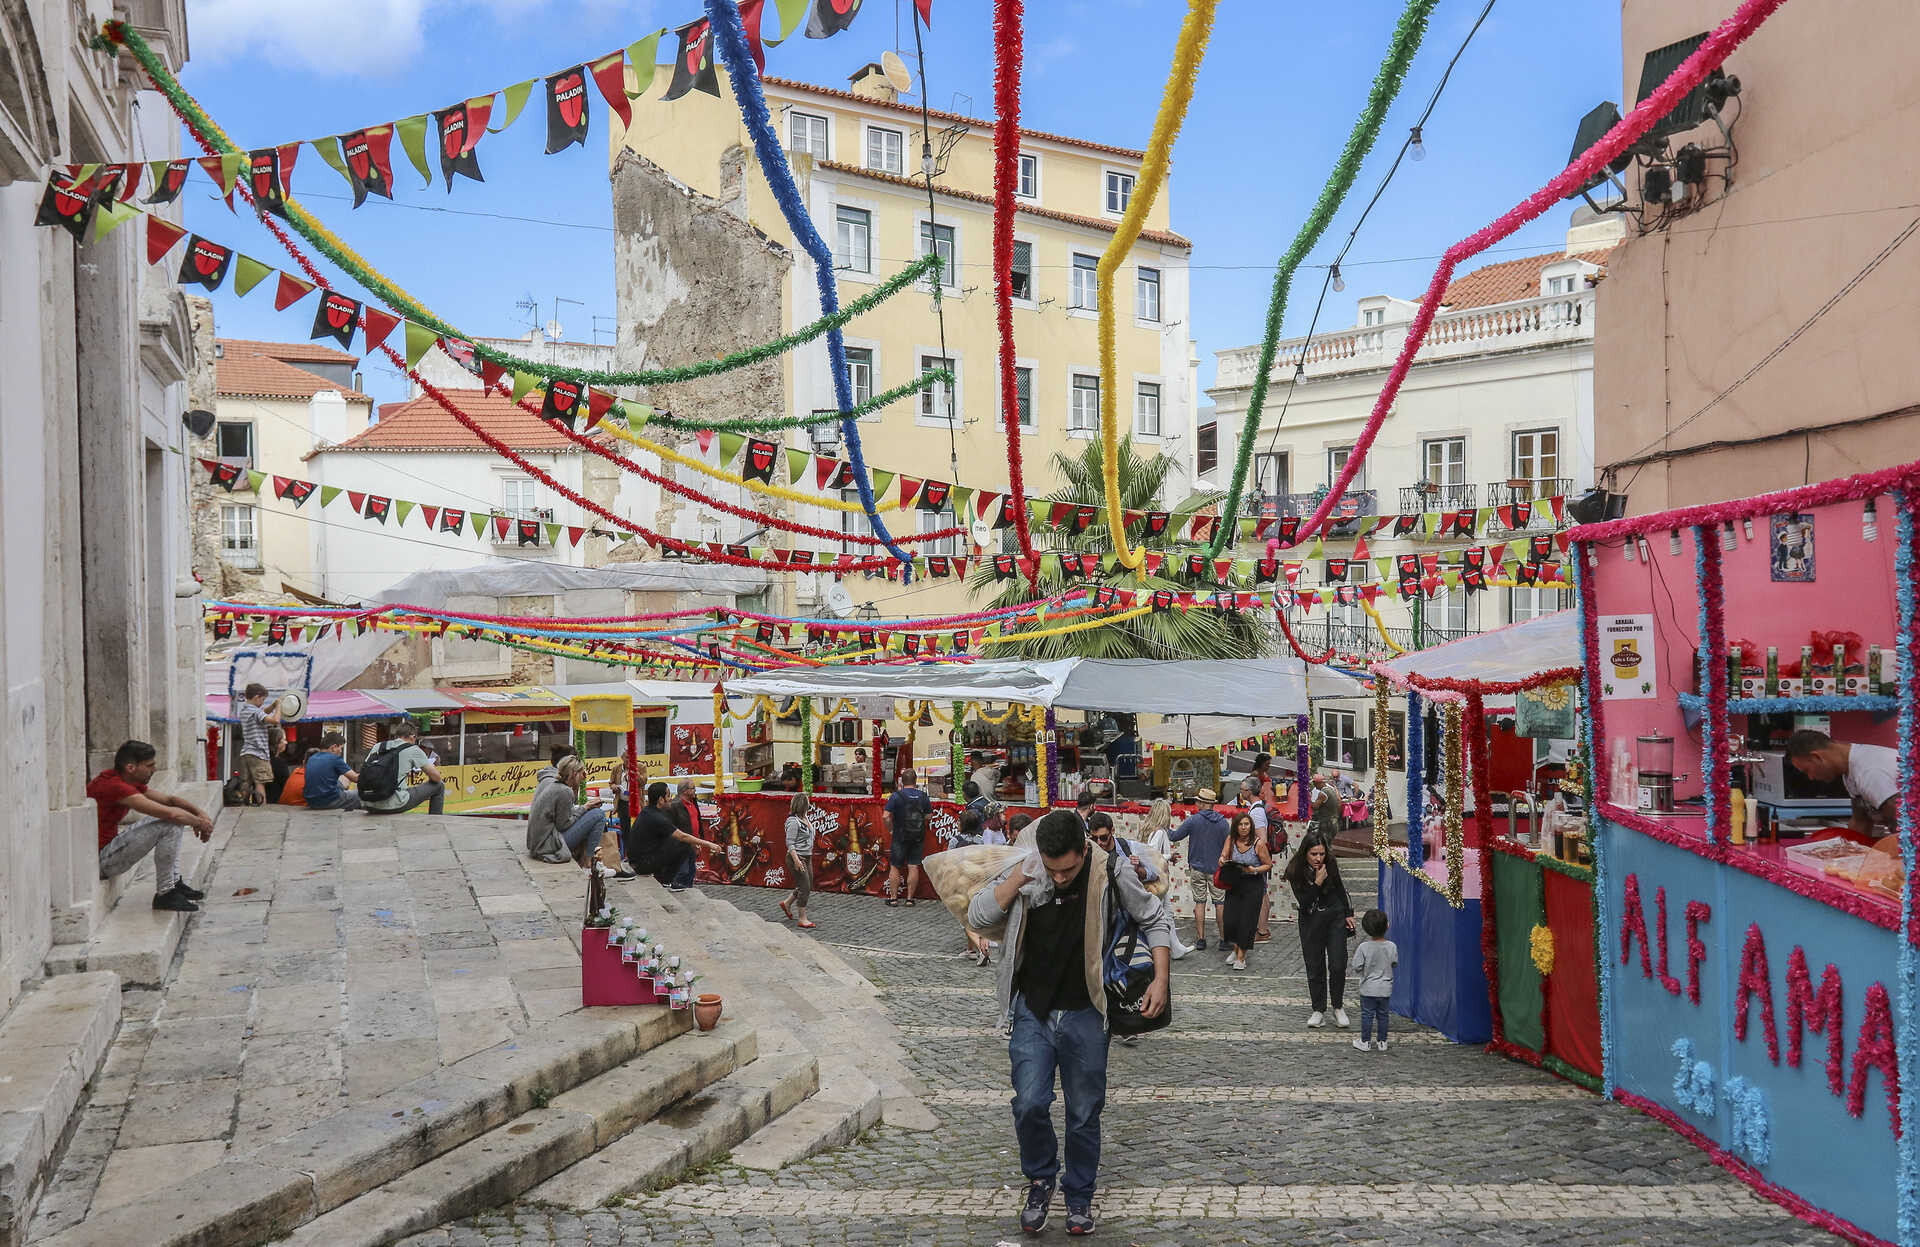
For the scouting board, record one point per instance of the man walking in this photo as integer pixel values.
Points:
(1050, 908)
(256, 754)
(326, 768)
(120, 794)
(905, 819)
(1205, 831)
(397, 776)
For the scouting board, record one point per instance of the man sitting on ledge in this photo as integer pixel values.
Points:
(135, 822)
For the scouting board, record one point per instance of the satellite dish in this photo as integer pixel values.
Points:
(553, 331)
(982, 532)
(292, 705)
(839, 603)
(895, 70)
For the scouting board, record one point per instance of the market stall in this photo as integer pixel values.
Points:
(1744, 899)
(1488, 909)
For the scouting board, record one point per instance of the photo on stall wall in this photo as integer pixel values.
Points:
(1790, 553)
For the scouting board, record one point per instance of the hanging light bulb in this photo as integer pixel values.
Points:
(1746, 524)
(1673, 543)
(1339, 282)
(1419, 149)
(1870, 522)
(1729, 540)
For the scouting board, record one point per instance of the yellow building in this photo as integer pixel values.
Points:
(857, 157)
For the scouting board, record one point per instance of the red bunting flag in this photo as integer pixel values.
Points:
(599, 403)
(378, 325)
(161, 237)
(574, 533)
(291, 290)
(430, 514)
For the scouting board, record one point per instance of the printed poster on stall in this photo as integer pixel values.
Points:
(1626, 657)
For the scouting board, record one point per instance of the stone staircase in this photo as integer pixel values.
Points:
(52, 1045)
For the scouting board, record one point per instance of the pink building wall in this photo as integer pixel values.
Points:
(1826, 157)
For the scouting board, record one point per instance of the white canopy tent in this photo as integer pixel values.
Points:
(1503, 656)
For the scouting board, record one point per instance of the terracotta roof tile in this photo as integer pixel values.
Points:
(288, 352)
(419, 424)
(1164, 237)
(1511, 280)
(974, 123)
(240, 375)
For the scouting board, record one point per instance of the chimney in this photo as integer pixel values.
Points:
(871, 82)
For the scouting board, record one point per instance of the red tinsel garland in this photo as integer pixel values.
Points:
(1007, 53)
(1697, 913)
(1299, 653)
(1817, 1012)
(1800, 498)
(1633, 922)
(1756, 980)
(1448, 684)
(1876, 1051)
(1475, 727)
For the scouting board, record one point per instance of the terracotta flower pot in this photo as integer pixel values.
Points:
(706, 1011)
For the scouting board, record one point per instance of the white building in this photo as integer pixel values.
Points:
(442, 371)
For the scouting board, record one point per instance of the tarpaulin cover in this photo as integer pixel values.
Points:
(1033, 683)
(1442, 981)
(1498, 657)
(1516, 910)
(414, 700)
(321, 707)
(1199, 731)
(1573, 1022)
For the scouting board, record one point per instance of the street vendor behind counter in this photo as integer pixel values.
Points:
(1871, 774)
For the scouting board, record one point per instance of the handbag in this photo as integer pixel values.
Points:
(1126, 966)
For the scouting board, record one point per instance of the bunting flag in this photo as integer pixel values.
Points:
(456, 152)
(377, 508)
(265, 181)
(760, 460)
(567, 113)
(830, 17)
(561, 402)
(205, 264)
(166, 178)
(528, 532)
(693, 66)
(162, 234)
(336, 318)
(296, 491)
(369, 159)
(290, 291)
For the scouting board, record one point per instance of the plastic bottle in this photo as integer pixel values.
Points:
(1736, 816)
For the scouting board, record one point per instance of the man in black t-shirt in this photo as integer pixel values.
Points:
(658, 846)
(905, 818)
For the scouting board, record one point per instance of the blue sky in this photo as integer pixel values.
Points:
(1277, 94)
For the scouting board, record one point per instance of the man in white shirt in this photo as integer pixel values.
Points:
(1870, 772)
(986, 774)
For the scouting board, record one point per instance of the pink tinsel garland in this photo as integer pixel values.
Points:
(1714, 515)
(1713, 643)
(1633, 921)
(1756, 980)
(1876, 1051)
(1819, 1012)
(1697, 913)
(1667, 980)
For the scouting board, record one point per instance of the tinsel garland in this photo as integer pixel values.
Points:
(957, 745)
(1692, 1080)
(1714, 515)
(1875, 1050)
(1698, 912)
(1540, 948)
(1187, 52)
(783, 424)
(1287, 631)
(806, 745)
(1302, 761)
(1416, 781)
(1572, 870)
(1008, 54)
(218, 143)
(1456, 803)
(1050, 756)
(1752, 1131)
(1474, 728)
(1906, 548)
(1712, 678)
(1407, 34)
(1819, 1012)
(1380, 625)
(719, 741)
(743, 77)
(1382, 750)
(1755, 979)
(1651, 108)
(1662, 970)
(1596, 838)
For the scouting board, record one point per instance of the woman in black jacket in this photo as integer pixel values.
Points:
(1326, 919)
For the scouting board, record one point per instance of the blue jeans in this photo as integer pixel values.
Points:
(1373, 1012)
(1074, 1042)
(584, 835)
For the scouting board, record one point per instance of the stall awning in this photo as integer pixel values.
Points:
(330, 707)
(510, 704)
(1502, 657)
(1202, 731)
(415, 700)
(1260, 687)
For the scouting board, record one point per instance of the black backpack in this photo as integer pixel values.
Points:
(380, 773)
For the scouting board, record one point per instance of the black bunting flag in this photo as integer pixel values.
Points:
(1003, 568)
(1197, 568)
(451, 520)
(693, 67)
(939, 565)
(168, 185)
(377, 508)
(567, 109)
(226, 475)
(68, 203)
(1540, 548)
(1337, 571)
(933, 495)
(1404, 524)
(222, 628)
(335, 318)
(277, 632)
(830, 17)
(456, 156)
(562, 401)
(529, 532)
(205, 263)
(1157, 522)
(759, 461)
(296, 491)
(1162, 599)
(369, 157)
(263, 179)
(1287, 529)
(1266, 569)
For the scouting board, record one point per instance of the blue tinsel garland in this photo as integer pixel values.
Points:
(1416, 782)
(1596, 834)
(730, 40)
(1908, 1016)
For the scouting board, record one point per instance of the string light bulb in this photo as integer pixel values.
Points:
(1729, 539)
(1870, 522)
(1673, 542)
(1418, 149)
(1339, 282)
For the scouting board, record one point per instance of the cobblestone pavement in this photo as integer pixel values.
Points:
(1237, 1125)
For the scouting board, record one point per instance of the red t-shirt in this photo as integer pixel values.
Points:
(110, 791)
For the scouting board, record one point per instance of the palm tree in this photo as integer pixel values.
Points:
(1168, 634)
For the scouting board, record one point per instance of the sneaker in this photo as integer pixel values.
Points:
(1316, 1020)
(1379, 1045)
(1361, 1045)
(1033, 1218)
(1340, 1018)
(1239, 963)
(1199, 946)
(676, 887)
(191, 893)
(623, 874)
(1080, 1218)
(173, 900)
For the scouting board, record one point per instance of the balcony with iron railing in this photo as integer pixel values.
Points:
(1430, 497)
(1343, 522)
(1521, 325)
(1523, 489)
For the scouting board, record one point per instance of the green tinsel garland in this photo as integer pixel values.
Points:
(806, 744)
(1386, 88)
(957, 742)
(775, 424)
(397, 299)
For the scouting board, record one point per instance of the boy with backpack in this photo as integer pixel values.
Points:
(387, 784)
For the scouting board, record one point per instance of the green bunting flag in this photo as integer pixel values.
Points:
(328, 493)
(420, 340)
(248, 273)
(553, 534)
(255, 479)
(797, 465)
(880, 481)
(522, 383)
(640, 58)
(792, 14)
(637, 415)
(730, 444)
(329, 149)
(413, 137)
(111, 216)
(516, 100)
(479, 523)
(402, 508)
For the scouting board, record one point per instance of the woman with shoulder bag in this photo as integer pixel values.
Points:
(1326, 919)
(1244, 869)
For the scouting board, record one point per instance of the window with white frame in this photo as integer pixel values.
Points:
(518, 499)
(239, 535)
(807, 132)
(860, 373)
(1536, 455)
(1085, 289)
(1444, 460)
(1531, 603)
(934, 521)
(1337, 457)
(1029, 187)
(853, 522)
(1119, 191)
(1023, 396)
(233, 439)
(1445, 615)
(1568, 284)
(1021, 270)
(1146, 295)
(938, 240)
(1083, 404)
(1340, 738)
(1373, 316)
(933, 398)
(885, 150)
(1146, 408)
(853, 249)
(1270, 475)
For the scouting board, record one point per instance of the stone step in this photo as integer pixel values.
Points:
(300, 1176)
(846, 1106)
(52, 1043)
(533, 1147)
(135, 940)
(693, 1133)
